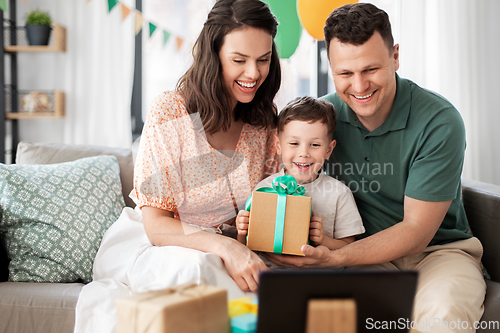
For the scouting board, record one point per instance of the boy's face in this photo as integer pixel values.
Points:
(303, 148)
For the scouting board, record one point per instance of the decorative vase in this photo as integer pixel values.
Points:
(38, 34)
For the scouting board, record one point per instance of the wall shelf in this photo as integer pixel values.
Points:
(25, 115)
(17, 104)
(58, 44)
(54, 102)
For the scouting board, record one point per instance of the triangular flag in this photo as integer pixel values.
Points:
(179, 42)
(166, 36)
(3, 5)
(112, 3)
(152, 29)
(138, 22)
(125, 11)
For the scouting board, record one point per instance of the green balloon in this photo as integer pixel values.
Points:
(289, 28)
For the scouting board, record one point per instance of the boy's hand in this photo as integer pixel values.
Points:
(242, 221)
(316, 232)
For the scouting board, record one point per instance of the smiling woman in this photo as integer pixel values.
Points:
(203, 149)
(222, 101)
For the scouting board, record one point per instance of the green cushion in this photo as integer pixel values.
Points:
(54, 216)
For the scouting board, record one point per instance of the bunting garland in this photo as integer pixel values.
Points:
(112, 4)
(166, 36)
(152, 29)
(126, 10)
(179, 42)
(139, 21)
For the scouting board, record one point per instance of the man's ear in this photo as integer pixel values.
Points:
(331, 146)
(277, 143)
(395, 56)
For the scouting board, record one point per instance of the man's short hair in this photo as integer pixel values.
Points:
(311, 110)
(355, 24)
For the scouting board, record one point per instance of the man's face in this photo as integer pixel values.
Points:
(364, 77)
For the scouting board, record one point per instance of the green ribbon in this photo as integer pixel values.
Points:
(283, 186)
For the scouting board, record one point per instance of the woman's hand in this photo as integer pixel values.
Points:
(243, 265)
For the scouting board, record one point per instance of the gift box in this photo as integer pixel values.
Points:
(245, 323)
(242, 305)
(187, 308)
(243, 314)
(279, 217)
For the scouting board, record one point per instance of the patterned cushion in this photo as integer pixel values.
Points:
(54, 216)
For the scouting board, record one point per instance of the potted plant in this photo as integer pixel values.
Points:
(38, 27)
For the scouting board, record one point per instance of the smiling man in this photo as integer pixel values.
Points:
(411, 208)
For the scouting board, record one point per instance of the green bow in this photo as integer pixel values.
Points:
(283, 186)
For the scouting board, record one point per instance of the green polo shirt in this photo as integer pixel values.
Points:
(417, 152)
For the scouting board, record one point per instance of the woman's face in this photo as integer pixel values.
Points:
(245, 57)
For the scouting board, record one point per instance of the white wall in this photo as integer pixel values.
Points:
(449, 63)
(451, 47)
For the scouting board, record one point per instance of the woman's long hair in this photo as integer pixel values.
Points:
(202, 85)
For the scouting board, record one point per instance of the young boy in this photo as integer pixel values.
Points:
(305, 141)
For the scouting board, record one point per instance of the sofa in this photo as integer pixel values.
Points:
(50, 307)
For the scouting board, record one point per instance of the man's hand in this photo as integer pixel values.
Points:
(315, 257)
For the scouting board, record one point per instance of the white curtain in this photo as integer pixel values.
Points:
(452, 48)
(164, 63)
(99, 74)
(95, 73)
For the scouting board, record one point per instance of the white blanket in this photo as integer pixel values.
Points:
(127, 262)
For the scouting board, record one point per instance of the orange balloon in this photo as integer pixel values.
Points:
(313, 14)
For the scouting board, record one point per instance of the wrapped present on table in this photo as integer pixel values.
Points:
(279, 217)
(245, 323)
(242, 305)
(243, 314)
(188, 308)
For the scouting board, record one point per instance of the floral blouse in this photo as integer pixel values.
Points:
(178, 170)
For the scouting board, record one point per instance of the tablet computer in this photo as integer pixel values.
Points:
(384, 300)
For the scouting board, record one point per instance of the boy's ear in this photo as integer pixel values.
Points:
(330, 148)
(277, 143)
